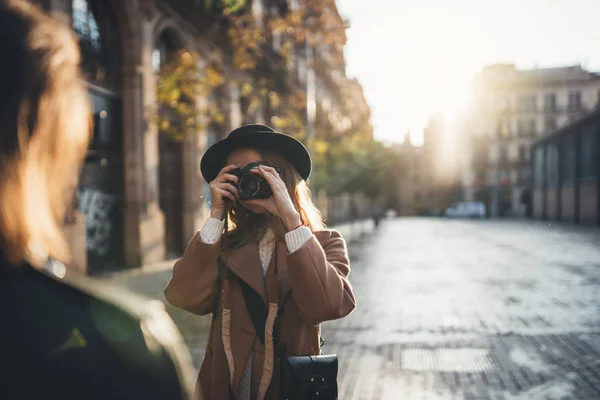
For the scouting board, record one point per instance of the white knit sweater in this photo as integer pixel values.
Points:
(211, 233)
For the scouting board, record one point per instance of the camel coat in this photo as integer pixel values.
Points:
(313, 283)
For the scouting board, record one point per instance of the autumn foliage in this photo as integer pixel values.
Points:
(266, 54)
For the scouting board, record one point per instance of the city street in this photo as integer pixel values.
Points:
(458, 309)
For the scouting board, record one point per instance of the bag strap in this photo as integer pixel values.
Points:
(221, 270)
(258, 314)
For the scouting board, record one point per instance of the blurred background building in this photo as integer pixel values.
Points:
(512, 108)
(429, 175)
(484, 153)
(413, 193)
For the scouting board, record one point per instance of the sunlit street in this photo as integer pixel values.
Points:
(459, 309)
(218, 157)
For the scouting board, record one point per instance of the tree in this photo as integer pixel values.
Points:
(179, 84)
(346, 160)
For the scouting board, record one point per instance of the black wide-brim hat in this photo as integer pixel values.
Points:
(258, 137)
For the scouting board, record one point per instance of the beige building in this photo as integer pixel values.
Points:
(414, 191)
(512, 108)
(429, 180)
(442, 151)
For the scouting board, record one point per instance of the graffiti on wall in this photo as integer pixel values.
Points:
(97, 206)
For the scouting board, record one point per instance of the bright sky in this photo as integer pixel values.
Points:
(416, 57)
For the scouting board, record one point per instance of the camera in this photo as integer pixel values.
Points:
(252, 186)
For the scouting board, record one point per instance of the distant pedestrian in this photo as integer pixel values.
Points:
(264, 265)
(60, 338)
(377, 219)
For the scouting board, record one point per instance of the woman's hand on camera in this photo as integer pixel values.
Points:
(279, 204)
(222, 190)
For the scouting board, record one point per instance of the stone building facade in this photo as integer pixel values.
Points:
(141, 195)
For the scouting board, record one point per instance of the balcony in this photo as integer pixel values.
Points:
(513, 163)
(524, 181)
(576, 108)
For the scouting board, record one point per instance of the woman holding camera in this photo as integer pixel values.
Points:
(263, 264)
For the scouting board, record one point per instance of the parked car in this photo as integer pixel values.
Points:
(466, 209)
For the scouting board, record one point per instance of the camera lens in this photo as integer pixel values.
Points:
(249, 185)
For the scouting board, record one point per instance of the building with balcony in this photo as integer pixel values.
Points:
(566, 172)
(512, 108)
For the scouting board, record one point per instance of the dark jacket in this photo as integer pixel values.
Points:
(77, 339)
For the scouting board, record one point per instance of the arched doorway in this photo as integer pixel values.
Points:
(100, 193)
(170, 164)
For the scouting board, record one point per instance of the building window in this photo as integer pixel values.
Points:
(550, 125)
(504, 176)
(588, 152)
(504, 128)
(166, 47)
(521, 128)
(95, 26)
(568, 160)
(522, 153)
(526, 127)
(550, 102)
(538, 164)
(574, 100)
(531, 127)
(514, 176)
(551, 165)
(156, 60)
(503, 155)
(524, 176)
(527, 102)
(504, 102)
(85, 26)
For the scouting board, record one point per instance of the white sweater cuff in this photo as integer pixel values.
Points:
(211, 231)
(296, 238)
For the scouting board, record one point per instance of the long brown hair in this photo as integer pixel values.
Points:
(44, 131)
(242, 226)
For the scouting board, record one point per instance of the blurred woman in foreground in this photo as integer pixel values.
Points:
(61, 339)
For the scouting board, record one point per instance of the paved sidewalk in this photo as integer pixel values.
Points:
(459, 309)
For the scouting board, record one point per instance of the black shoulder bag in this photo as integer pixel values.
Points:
(302, 377)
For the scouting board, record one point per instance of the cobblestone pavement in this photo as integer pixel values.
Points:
(459, 310)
